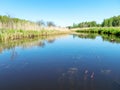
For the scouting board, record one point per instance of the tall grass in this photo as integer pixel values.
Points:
(19, 34)
(106, 30)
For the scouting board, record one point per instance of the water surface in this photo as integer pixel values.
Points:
(71, 62)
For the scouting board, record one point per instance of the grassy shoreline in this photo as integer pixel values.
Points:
(101, 30)
(6, 34)
(20, 34)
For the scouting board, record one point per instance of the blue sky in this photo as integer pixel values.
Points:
(62, 12)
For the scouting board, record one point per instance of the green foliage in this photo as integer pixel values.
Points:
(10, 34)
(6, 19)
(112, 22)
(109, 31)
(85, 24)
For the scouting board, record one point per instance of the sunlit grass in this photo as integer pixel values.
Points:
(19, 34)
(105, 30)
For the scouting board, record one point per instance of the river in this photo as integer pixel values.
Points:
(67, 62)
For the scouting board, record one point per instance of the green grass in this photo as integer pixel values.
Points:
(106, 30)
(19, 34)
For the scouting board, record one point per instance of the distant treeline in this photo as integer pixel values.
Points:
(110, 22)
(7, 22)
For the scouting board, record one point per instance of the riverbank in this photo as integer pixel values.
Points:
(100, 30)
(6, 34)
(14, 28)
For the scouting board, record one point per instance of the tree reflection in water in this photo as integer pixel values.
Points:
(105, 37)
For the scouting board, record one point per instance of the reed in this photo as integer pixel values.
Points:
(19, 34)
(105, 30)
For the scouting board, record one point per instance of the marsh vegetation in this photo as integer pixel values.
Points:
(15, 28)
(20, 34)
(105, 30)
